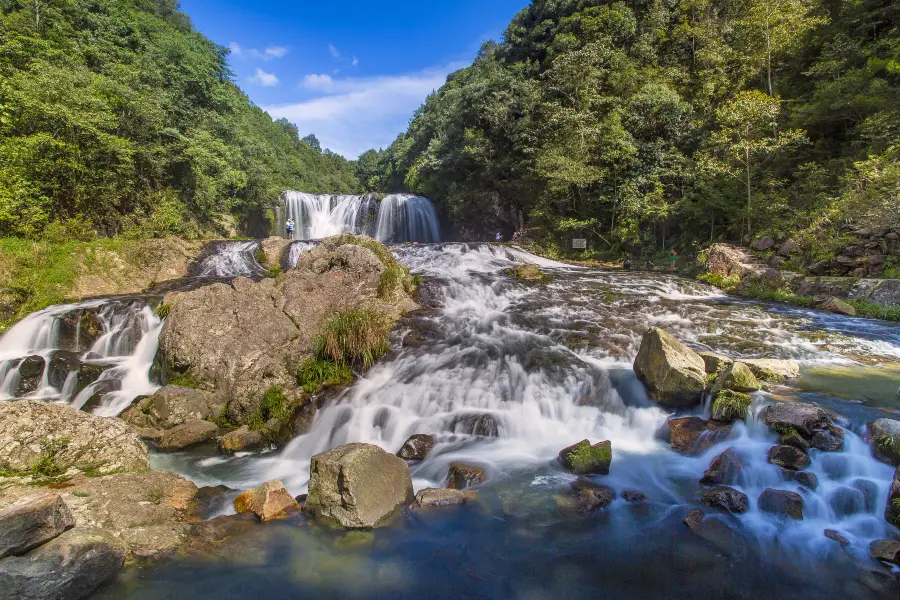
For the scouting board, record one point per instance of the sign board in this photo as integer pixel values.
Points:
(579, 244)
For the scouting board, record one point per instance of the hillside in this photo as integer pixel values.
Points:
(649, 124)
(118, 117)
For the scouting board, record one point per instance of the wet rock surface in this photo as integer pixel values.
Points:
(788, 457)
(586, 459)
(189, 434)
(781, 502)
(241, 440)
(692, 435)
(724, 469)
(269, 501)
(417, 447)
(437, 497)
(726, 498)
(461, 476)
(674, 374)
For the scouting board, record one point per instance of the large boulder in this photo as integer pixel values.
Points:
(48, 439)
(269, 501)
(763, 244)
(730, 261)
(781, 502)
(69, 567)
(674, 374)
(172, 406)
(190, 434)
(30, 522)
(242, 339)
(715, 363)
(357, 486)
(739, 378)
(584, 459)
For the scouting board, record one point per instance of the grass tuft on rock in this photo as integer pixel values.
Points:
(183, 380)
(730, 406)
(528, 273)
(314, 374)
(355, 338)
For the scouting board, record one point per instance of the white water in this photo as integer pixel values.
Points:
(229, 259)
(296, 249)
(396, 218)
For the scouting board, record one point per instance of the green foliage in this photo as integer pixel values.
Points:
(183, 380)
(314, 374)
(728, 284)
(355, 338)
(275, 271)
(120, 116)
(875, 311)
(275, 404)
(162, 310)
(730, 406)
(528, 273)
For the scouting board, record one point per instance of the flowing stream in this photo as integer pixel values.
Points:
(505, 374)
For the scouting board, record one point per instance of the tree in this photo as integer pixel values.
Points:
(313, 142)
(747, 136)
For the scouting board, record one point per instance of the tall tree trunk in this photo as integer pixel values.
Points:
(749, 197)
(769, 52)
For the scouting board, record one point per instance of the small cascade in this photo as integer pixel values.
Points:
(98, 351)
(228, 259)
(296, 249)
(396, 218)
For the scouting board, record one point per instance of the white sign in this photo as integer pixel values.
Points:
(579, 244)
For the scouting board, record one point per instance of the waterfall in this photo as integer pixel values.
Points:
(228, 259)
(396, 218)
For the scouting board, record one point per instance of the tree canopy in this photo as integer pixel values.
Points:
(116, 115)
(649, 122)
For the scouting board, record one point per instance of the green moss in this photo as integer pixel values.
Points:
(315, 374)
(276, 405)
(730, 406)
(355, 338)
(81, 494)
(183, 380)
(728, 284)
(528, 273)
(583, 458)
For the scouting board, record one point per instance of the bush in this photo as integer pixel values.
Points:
(355, 338)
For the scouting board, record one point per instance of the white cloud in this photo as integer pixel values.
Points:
(235, 48)
(270, 53)
(276, 51)
(352, 115)
(334, 51)
(355, 62)
(264, 79)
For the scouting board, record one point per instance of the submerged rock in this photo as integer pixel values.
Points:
(584, 459)
(723, 470)
(60, 438)
(782, 502)
(417, 447)
(674, 374)
(828, 440)
(461, 476)
(692, 435)
(241, 440)
(528, 273)
(846, 501)
(69, 567)
(357, 485)
(435, 497)
(634, 496)
(806, 479)
(693, 518)
(773, 370)
(30, 522)
(726, 498)
(831, 534)
(31, 370)
(190, 434)
(788, 457)
(268, 501)
(590, 497)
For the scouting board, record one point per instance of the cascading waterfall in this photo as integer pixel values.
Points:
(396, 218)
(228, 259)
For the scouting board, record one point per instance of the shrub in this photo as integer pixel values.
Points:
(355, 338)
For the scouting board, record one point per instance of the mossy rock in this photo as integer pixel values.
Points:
(730, 406)
(585, 459)
(739, 378)
(529, 273)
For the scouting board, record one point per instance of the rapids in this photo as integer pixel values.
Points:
(505, 374)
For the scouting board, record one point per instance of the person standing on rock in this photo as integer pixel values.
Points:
(290, 228)
(673, 257)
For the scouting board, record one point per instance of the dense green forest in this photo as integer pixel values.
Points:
(660, 122)
(116, 116)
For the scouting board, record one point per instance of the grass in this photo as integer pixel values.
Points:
(889, 444)
(274, 272)
(730, 406)
(183, 380)
(314, 374)
(875, 311)
(728, 284)
(355, 338)
(47, 468)
(162, 311)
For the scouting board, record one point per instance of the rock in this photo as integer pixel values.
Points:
(584, 459)
(726, 498)
(634, 496)
(674, 374)
(781, 502)
(885, 550)
(715, 363)
(68, 567)
(241, 440)
(876, 260)
(821, 267)
(730, 406)
(484, 425)
(730, 261)
(301, 421)
(30, 522)
(835, 305)
(772, 370)
(60, 438)
(807, 479)
(187, 435)
(211, 500)
(172, 406)
(846, 501)
(221, 528)
(79, 330)
(892, 512)
(692, 435)
(806, 419)
(461, 476)
(718, 534)
(788, 457)
(435, 497)
(590, 496)
(792, 438)
(271, 251)
(763, 243)
(357, 485)
(693, 518)
(831, 534)
(61, 364)
(723, 470)
(788, 248)
(776, 261)
(31, 371)
(417, 447)
(884, 437)
(739, 378)
(845, 261)
(268, 502)
(828, 440)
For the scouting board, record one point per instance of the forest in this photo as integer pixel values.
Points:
(118, 118)
(654, 123)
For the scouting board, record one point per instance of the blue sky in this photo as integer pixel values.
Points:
(352, 71)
